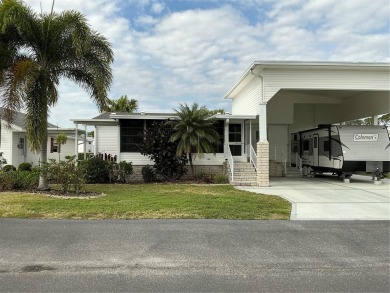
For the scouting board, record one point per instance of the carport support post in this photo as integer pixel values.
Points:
(263, 149)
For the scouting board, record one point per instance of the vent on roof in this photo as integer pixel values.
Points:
(142, 113)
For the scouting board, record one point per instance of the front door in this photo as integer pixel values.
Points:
(236, 140)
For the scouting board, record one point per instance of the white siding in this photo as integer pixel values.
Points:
(247, 101)
(66, 150)
(18, 155)
(207, 159)
(135, 158)
(6, 140)
(343, 79)
(107, 140)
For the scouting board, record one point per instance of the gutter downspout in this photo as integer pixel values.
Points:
(263, 110)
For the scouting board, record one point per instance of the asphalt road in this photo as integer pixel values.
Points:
(194, 255)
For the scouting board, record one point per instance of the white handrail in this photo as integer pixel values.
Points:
(231, 162)
(284, 163)
(253, 156)
(298, 162)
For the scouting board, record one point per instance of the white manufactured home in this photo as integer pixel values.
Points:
(15, 148)
(116, 135)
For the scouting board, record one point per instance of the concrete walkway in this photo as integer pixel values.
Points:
(329, 198)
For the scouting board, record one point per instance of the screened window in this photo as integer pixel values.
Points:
(130, 134)
(234, 132)
(219, 127)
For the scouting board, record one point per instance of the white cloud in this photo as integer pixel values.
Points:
(163, 57)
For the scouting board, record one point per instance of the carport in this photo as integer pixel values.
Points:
(292, 96)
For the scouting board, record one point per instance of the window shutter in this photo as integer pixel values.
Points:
(51, 144)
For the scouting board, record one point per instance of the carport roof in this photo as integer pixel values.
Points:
(257, 66)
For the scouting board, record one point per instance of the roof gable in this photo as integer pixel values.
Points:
(20, 119)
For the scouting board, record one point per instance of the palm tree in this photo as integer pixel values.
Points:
(195, 131)
(37, 50)
(123, 104)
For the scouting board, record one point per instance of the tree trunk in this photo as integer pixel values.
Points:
(43, 185)
(191, 164)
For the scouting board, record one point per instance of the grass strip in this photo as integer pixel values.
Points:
(149, 201)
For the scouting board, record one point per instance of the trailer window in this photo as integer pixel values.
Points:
(326, 146)
(306, 145)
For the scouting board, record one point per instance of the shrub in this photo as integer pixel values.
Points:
(97, 170)
(26, 179)
(19, 180)
(148, 174)
(67, 174)
(221, 179)
(156, 144)
(7, 180)
(120, 172)
(25, 167)
(9, 168)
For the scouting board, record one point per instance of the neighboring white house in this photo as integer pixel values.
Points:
(270, 101)
(89, 144)
(14, 146)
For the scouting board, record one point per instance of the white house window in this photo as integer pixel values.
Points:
(54, 147)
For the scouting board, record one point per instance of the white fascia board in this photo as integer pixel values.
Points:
(95, 122)
(146, 117)
(238, 117)
(258, 66)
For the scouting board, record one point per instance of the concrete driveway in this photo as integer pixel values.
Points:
(329, 198)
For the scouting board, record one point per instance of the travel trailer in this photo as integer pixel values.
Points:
(342, 150)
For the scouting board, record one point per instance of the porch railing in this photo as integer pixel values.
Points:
(231, 163)
(253, 156)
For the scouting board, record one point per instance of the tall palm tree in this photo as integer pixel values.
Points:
(37, 50)
(195, 131)
(123, 104)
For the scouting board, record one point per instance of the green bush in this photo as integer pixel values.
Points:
(7, 180)
(221, 179)
(19, 180)
(25, 167)
(9, 168)
(120, 172)
(67, 173)
(97, 170)
(148, 174)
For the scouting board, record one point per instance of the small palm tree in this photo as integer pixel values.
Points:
(195, 131)
(37, 50)
(123, 104)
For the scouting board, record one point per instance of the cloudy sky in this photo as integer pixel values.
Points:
(173, 51)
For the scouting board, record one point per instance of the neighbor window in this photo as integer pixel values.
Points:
(54, 147)
(130, 134)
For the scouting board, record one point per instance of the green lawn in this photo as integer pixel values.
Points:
(149, 201)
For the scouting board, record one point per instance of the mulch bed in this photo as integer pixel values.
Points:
(59, 194)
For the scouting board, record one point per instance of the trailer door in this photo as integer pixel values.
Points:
(315, 150)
